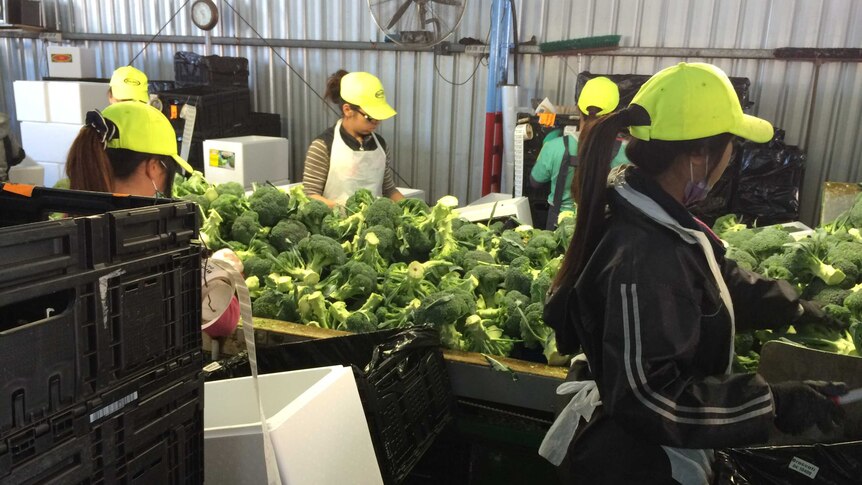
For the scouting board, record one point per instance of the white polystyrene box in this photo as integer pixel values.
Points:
(72, 62)
(413, 193)
(316, 422)
(48, 142)
(247, 159)
(69, 101)
(498, 205)
(54, 172)
(27, 172)
(31, 100)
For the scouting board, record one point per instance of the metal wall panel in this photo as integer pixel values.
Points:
(437, 137)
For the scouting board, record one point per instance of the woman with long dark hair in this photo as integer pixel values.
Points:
(646, 294)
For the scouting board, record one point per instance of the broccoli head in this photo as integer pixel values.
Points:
(743, 259)
(490, 278)
(825, 294)
(386, 241)
(353, 279)
(542, 247)
(519, 275)
(765, 242)
(847, 251)
(230, 207)
(312, 214)
(727, 224)
(257, 266)
(472, 235)
(853, 301)
(286, 234)
(321, 252)
(534, 332)
(274, 304)
(540, 286)
(416, 243)
(359, 201)
(509, 245)
(271, 204)
(442, 308)
(246, 226)
(383, 212)
(232, 188)
(486, 339)
(476, 257)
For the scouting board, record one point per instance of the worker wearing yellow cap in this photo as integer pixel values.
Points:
(128, 84)
(649, 299)
(558, 159)
(350, 156)
(129, 147)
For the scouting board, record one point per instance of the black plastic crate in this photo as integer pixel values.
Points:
(218, 108)
(191, 69)
(406, 397)
(263, 124)
(104, 326)
(146, 430)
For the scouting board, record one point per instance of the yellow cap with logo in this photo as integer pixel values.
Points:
(366, 91)
(600, 92)
(692, 101)
(143, 129)
(128, 83)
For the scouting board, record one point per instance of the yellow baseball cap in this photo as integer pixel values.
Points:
(691, 101)
(128, 83)
(143, 129)
(600, 92)
(366, 91)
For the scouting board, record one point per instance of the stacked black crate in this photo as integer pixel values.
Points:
(100, 340)
(218, 87)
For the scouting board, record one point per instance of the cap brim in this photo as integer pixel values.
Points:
(381, 111)
(184, 164)
(754, 129)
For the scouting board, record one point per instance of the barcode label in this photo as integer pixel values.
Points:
(211, 367)
(808, 469)
(113, 407)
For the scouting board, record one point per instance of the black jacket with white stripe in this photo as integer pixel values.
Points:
(647, 312)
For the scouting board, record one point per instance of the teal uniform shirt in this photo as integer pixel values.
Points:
(547, 167)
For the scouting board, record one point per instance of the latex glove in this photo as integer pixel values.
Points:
(811, 313)
(800, 405)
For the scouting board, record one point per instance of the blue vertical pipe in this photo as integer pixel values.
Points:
(498, 65)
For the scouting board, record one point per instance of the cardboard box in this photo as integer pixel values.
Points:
(71, 62)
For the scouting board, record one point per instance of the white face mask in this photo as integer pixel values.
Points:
(696, 191)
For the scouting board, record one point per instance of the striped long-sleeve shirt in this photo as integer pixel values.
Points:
(316, 169)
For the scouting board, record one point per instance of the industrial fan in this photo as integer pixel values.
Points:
(417, 22)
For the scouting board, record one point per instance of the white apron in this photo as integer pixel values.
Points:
(351, 170)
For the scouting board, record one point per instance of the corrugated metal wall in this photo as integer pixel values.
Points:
(438, 134)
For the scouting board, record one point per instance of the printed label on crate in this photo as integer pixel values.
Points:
(222, 159)
(64, 58)
(808, 469)
(113, 407)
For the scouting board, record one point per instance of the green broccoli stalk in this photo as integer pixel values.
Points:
(253, 285)
(490, 278)
(803, 258)
(359, 201)
(451, 338)
(404, 282)
(396, 317)
(313, 310)
(271, 204)
(369, 254)
(364, 319)
(286, 234)
(290, 263)
(284, 284)
(486, 339)
(320, 253)
(413, 207)
(340, 228)
(540, 286)
(211, 231)
(338, 314)
(386, 241)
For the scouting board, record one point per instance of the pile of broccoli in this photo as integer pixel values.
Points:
(825, 267)
(377, 264)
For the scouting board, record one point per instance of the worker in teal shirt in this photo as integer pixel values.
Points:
(599, 97)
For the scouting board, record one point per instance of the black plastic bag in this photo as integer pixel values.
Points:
(769, 181)
(820, 464)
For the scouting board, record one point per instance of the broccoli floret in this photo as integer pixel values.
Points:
(743, 259)
(246, 226)
(474, 258)
(416, 243)
(541, 248)
(353, 279)
(565, 228)
(369, 253)
(286, 234)
(359, 201)
(312, 215)
(383, 212)
(838, 312)
(825, 294)
(509, 245)
(513, 306)
(298, 198)
(442, 308)
(321, 252)
(271, 204)
(230, 207)
(727, 224)
(802, 260)
(365, 319)
(404, 282)
(775, 267)
(338, 314)
(195, 184)
(232, 188)
(743, 342)
(766, 242)
(386, 241)
(533, 328)
(490, 279)
(850, 270)
(290, 263)
(471, 235)
(413, 207)
(274, 304)
(853, 301)
(257, 266)
(340, 228)
(847, 251)
(201, 200)
(540, 286)
(451, 338)
(519, 275)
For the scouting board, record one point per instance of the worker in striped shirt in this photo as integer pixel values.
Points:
(350, 156)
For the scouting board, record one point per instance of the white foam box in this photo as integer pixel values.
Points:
(54, 172)
(48, 142)
(316, 422)
(413, 193)
(27, 172)
(72, 62)
(247, 159)
(31, 100)
(498, 205)
(69, 101)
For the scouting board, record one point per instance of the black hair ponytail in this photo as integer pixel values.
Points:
(333, 87)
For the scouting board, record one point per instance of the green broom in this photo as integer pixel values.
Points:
(582, 45)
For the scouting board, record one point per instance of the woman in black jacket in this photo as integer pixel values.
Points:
(646, 294)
